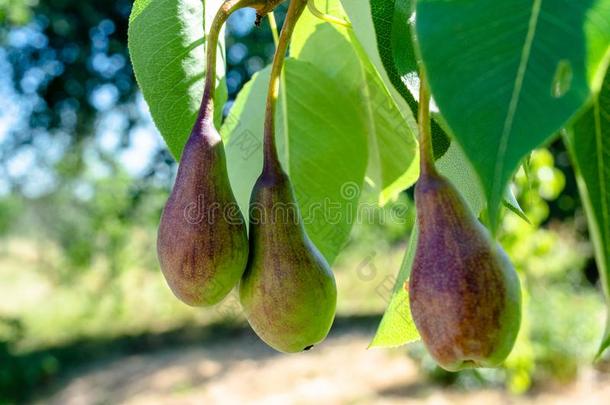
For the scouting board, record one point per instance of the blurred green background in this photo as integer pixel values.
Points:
(85, 316)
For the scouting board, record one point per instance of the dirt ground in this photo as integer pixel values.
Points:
(241, 370)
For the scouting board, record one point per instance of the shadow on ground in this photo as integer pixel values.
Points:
(25, 374)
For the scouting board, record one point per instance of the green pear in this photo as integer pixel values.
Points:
(288, 291)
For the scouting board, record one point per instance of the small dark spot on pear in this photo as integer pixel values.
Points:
(307, 348)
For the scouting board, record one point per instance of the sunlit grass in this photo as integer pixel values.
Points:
(138, 300)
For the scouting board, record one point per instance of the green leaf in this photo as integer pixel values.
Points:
(388, 22)
(360, 16)
(393, 155)
(336, 55)
(510, 202)
(455, 166)
(589, 144)
(321, 142)
(166, 45)
(394, 44)
(508, 75)
(397, 326)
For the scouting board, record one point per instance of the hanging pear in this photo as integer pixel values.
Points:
(464, 292)
(288, 291)
(202, 242)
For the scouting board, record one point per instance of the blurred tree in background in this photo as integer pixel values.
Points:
(72, 117)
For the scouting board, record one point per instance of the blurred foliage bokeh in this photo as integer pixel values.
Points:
(84, 176)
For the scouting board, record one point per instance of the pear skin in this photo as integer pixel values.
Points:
(202, 242)
(464, 293)
(288, 291)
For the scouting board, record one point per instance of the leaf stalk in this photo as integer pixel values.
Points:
(311, 5)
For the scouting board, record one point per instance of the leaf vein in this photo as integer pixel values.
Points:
(514, 102)
(600, 164)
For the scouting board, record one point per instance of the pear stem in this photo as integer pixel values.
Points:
(425, 134)
(271, 163)
(206, 112)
